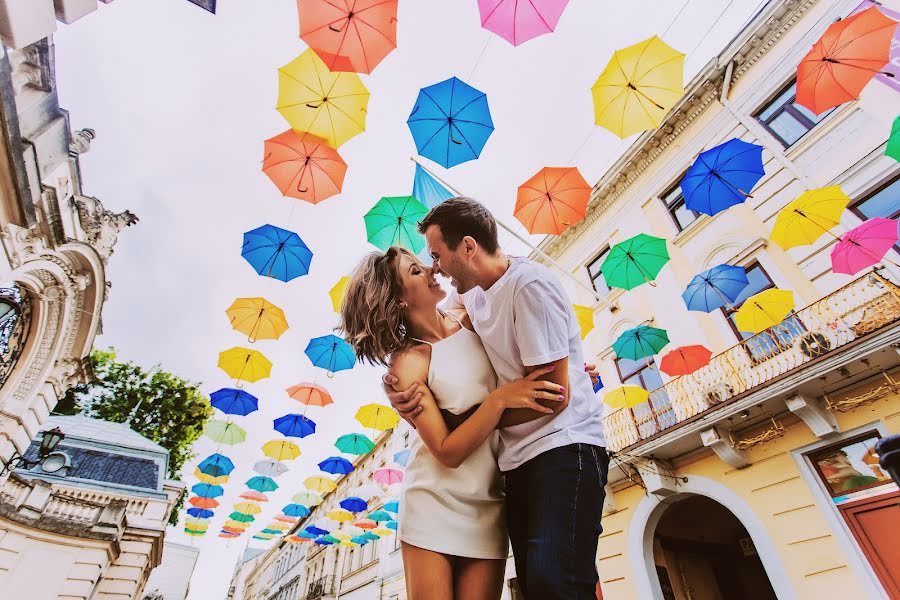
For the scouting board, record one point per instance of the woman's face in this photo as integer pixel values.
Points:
(420, 288)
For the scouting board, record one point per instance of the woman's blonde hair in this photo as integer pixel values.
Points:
(371, 318)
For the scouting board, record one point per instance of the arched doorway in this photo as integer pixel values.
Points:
(703, 552)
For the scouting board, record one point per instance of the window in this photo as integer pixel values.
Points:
(656, 414)
(596, 275)
(883, 202)
(850, 466)
(787, 120)
(678, 210)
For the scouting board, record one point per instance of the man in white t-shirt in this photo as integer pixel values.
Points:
(555, 466)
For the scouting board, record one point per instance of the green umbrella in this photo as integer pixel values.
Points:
(379, 516)
(893, 143)
(640, 342)
(393, 221)
(354, 443)
(224, 432)
(635, 261)
(241, 517)
(330, 539)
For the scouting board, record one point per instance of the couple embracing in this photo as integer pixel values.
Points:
(510, 445)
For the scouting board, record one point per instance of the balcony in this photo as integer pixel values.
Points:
(839, 320)
(320, 587)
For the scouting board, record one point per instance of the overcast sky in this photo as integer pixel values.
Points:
(182, 100)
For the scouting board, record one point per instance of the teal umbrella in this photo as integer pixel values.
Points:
(354, 443)
(394, 221)
(635, 261)
(262, 484)
(640, 342)
(380, 515)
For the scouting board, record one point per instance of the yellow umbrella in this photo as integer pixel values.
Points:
(248, 508)
(258, 318)
(337, 293)
(204, 478)
(314, 100)
(341, 535)
(340, 515)
(319, 484)
(281, 450)
(585, 317)
(638, 87)
(764, 310)
(383, 531)
(236, 525)
(813, 213)
(244, 364)
(377, 416)
(278, 525)
(626, 396)
(197, 524)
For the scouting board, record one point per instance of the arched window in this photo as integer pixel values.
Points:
(15, 316)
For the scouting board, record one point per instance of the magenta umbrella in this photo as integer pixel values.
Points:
(864, 246)
(517, 21)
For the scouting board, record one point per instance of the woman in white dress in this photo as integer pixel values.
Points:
(452, 526)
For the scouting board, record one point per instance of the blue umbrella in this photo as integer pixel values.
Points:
(316, 530)
(451, 122)
(722, 176)
(216, 465)
(200, 513)
(428, 190)
(295, 510)
(277, 253)
(336, 465)
(371, 536)
(322, 542)
(233, 401)
(294, 425)
(392, 506)
(330, 353)
(402, 457)
(306, 533)
(207, 490)
(361, 540)
(391, 525)
(715, 288)
(354, 504)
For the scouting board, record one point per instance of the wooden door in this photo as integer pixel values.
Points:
(875, 523)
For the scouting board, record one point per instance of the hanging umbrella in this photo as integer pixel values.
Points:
(517, 22)
(201, 502)
(215, 480)
(714, 288)
(307, 498)
(626, 396)
(317, 530)
(278, 527)
(303, 166)
(270, 467)
(370, 535)
(377, 416)
(244, 365)
(354, 504)
(319, 484)
(354, 443)
(450, 122)
(281, 450)
(248, 508)
(394, 221)
(331, 353)
(635, 261)
(386, 476)
(200, 513)
(893, 144)
(813, 213)
(286, 519)
(366, 524)
(392, 506)
(723, 176)
(277, 253)
(314, 100)
(262, 484)
(216, 465)
(340, 515)
(391, 525)
(233, 401)
(310, 394)
(864, 246)
(428, 190)
(685, 360)
(383, 531)
(847, 56)
(254, 495)
(640, 342)
(336, 465)
(232, 531)
(324, 542)
(337, 293)
(402, 457)
(552, 200)
(206, 490)
(379, 515)
(224, 432)
(295, 510)
(360, 540)
(341, 535)
(585, 317)
(257, 318)
(764, 310)
(269, 533)
(349, 35)
(294, 425)
(638, 87)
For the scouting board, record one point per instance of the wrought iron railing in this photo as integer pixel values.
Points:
(320, 587)
(859, 308)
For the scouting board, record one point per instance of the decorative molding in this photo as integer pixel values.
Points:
(722, 446)
(101, 226)
(820, 421)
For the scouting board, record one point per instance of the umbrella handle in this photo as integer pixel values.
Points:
(312, 105)
(834, 61)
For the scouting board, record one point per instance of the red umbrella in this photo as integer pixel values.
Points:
(349, 35)
(685, 360)
(845, 58)
(552, 200)
(303, 166)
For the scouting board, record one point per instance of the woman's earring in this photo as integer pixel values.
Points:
(403, 305)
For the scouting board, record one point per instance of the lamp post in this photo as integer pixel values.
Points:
(50, 439)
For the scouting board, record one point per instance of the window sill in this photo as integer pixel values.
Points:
(822, 128)
(686, 234)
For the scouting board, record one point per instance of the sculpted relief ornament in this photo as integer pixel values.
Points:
(101, 226)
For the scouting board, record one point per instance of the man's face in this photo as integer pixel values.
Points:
(454, 264)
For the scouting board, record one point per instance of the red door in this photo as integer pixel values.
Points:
(875, 523)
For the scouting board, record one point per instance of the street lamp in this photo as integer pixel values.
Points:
(50, 439)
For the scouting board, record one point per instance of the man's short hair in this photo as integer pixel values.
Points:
(459, 217)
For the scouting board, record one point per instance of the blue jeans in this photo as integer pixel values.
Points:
(553, 504)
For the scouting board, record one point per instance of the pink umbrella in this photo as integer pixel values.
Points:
(388, 476)
(864, 246)
(517, 21)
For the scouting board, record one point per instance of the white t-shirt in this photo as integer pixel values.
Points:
(526, 319)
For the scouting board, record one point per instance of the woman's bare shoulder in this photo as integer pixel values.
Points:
(411, 364)
(462, 316)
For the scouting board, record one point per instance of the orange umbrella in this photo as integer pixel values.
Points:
(552, 200)
(685, 360)
(286, 519)
(310, 394)
(201, 502)
(303, 166)
(845, 58)
(255, 496)
(349, 35)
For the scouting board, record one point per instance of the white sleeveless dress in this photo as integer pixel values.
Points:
(456, 511)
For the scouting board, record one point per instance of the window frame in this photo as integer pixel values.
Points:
(813, 457)
(787, 107)
(678, 201)
(854, 205)
(604, 251)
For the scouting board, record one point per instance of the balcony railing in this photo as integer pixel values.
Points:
(320, 587)
(859, 308)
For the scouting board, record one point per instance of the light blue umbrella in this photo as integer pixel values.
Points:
(331, 353)
(402, 457)
(295, 510)
(715, 288)
(207, 490)
(216, 465)
(392, 506)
